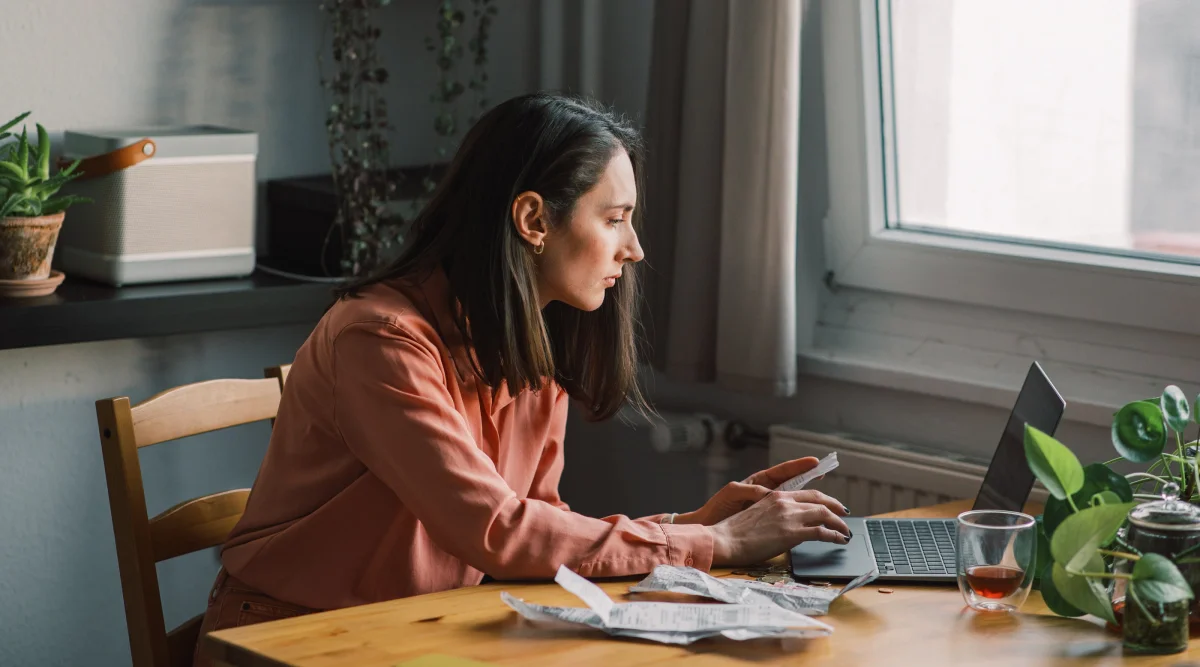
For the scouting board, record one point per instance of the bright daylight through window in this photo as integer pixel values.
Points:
(1069, 123)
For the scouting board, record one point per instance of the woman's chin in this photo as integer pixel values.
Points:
(587, 302)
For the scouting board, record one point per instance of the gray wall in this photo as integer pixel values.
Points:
(135, 62)
(58, 568)
(126, 62)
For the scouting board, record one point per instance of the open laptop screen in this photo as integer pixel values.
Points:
(1008, 480)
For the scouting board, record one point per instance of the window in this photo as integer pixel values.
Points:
(1032, 155)
(1073, 123)
(947, 273)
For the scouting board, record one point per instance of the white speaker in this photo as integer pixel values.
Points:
(167, 204)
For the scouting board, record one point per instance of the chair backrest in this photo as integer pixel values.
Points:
(189, 526)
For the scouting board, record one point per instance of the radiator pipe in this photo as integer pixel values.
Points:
(739, 435)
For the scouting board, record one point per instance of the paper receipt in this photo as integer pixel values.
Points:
(798, 482)
(667, 622)
(800, 598)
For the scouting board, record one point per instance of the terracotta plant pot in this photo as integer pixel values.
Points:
(27, 246)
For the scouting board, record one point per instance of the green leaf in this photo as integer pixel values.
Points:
(13, 123)
(32, 207)
(10, 204)
(1052, 463)
(57, 204)
(1158, 580)
(1054, 599)
(1097, 478)
(1196, 410)
(1076, 540)
(21, 205)
(1138, 432)
(1175, 408)
(23, 154)
(1044, 559)
(1084, 593)
(13, 170)
(52, 185)
(1104, 498)
(43, 153)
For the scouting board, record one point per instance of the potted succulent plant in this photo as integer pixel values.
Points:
(31, 212)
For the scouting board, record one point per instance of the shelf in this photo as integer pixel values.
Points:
(82, 311)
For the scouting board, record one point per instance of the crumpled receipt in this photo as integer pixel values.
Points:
(800, 598)
(825, 466)
(667, 622)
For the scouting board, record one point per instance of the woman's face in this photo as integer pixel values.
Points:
(584, 256)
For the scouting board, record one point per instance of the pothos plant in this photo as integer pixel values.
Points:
(1078, 539)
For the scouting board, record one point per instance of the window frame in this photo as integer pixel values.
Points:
(861, 252)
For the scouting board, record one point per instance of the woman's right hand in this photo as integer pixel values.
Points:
(775, 524)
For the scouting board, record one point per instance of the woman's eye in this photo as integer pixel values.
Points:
(616, 221)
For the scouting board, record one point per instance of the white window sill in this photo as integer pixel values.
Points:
(981, 355)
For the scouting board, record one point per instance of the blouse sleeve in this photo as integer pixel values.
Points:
(550, 465)
(395, 413)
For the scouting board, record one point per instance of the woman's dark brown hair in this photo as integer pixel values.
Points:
(558, 147)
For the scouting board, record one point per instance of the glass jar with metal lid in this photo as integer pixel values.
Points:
(1169, 527)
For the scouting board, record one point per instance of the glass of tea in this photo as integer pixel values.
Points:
(996, 552)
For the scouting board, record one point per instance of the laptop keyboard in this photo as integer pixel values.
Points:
(913, 547)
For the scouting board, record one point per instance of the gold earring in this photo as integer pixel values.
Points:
(539, 248)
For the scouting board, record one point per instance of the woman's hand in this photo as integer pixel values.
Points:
(777, 523)
(737, 496)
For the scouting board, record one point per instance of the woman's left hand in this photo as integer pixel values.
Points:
(737, 496)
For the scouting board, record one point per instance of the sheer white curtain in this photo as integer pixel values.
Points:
(722, 129)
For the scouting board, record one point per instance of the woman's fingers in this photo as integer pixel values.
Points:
(819, 515)
(823, 534)
(743, 492)
(818, 498)
(776, 475)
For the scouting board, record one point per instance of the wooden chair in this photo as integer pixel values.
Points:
(192, 525)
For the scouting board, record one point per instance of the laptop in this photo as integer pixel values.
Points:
(922, 550)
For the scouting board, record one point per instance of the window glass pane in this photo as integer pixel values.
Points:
(1068, 122)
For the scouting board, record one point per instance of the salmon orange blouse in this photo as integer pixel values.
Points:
(393, 472)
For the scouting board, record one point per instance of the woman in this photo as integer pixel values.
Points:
(419, 442)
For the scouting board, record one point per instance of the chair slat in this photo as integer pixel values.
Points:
(189, 526)
(199, 523)
(181, 642)
(135, 554)
(203, 407)
(279, 373)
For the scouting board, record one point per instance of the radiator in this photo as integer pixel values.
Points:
(874, 478)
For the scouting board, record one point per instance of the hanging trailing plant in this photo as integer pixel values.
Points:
(357, 128)
(485, 12)
(448, 50)
(357, 124)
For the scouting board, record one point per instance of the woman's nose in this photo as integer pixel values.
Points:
(634, 250)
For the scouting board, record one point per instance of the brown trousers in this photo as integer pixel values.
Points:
(232, 604)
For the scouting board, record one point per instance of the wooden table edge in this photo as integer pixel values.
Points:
(229, 654)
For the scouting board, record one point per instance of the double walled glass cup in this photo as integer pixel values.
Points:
(996, 556)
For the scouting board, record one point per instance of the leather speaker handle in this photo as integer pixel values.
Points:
(113, 161)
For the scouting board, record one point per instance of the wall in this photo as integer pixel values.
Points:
(58, 568)
(136, 62)
(124, 62)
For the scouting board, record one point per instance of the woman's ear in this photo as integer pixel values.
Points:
(529, 217)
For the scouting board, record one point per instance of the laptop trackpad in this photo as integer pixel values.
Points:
(832, 562)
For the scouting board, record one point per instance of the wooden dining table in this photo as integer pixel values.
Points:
(878, 625)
